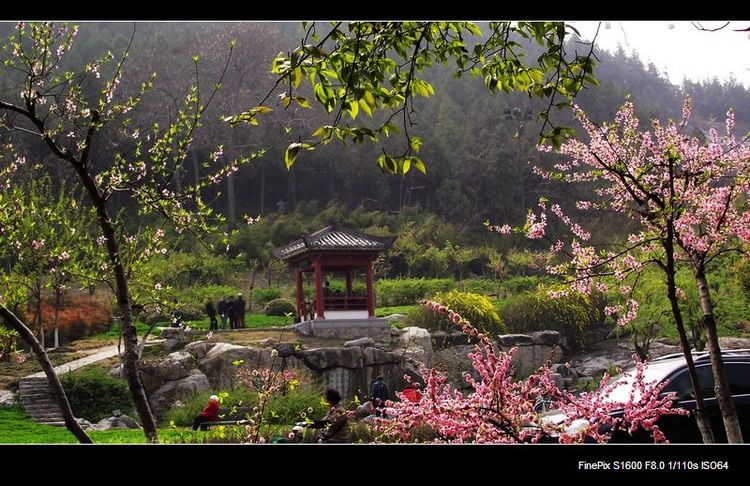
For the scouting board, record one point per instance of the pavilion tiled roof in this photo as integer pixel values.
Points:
(334, 237)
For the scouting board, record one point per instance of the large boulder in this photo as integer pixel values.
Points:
(174, 338)
(163, 398)
(416, 343)
(119, 422)
(175, 366)
(729, 342)
(321, 359)
(219, 363)
(199, 349)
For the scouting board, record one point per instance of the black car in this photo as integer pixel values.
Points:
(683, 428)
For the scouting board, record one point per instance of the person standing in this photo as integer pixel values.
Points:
(221, 308)
(379, 394)
(230, 313)
(211, 312)
(240, 311)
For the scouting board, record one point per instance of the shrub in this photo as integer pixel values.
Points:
(262, 296)
(571, 315)
(409, 291)
(93, 394)
(78, 317)
(481, 286)
(477, 309)
(280, 307)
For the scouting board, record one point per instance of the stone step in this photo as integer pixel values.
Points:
(33, 388)
(41, 406)
(42, 417)
(36, 395)
(55, 423)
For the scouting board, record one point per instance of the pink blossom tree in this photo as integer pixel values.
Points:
(501, 409)
(685, 196)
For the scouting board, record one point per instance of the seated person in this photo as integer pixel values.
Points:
(210, 413)
(335, 423)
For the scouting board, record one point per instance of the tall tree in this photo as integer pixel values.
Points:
(69, 111)
(689, 199)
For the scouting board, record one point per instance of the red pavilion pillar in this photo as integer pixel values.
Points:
(370, 292)
(317, 265)
(300, 294)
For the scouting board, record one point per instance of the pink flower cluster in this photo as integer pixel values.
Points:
(501, 409)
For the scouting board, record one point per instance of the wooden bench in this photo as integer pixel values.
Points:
(208, 425)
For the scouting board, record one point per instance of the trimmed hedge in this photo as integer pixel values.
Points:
(280, 307)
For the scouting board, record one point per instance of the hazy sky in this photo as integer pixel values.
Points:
(678, 48)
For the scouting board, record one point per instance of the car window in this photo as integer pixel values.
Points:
(681, 384)
(738, 375)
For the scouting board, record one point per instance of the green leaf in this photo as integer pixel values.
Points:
(365, 107)
(416, 144)
(419, 165)
(303, 102)
(291, 153)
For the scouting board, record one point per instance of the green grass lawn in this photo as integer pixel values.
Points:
(399, 309)
(17, 428)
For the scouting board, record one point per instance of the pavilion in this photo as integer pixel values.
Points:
(341, 253)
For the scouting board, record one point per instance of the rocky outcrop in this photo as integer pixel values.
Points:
(532, 351)
(166, 395)
(219, 362)
(416, 343)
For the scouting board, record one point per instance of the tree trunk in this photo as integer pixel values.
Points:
(58, 299)
(38, 316)
(54, 382)
(721, 385)
(130, 336)
(701, 418)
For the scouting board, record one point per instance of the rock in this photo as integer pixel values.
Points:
(417, 344)
(85, 424)
(199, 349)
(364, 410)
(119, 422)
(7, 398)
(174, 338)
(286, 350)
(559, 380)
(593, 366)
(116, 371)
(561, 369)
(268, 343)
(218, 364)
(163, 398)
(529, 358)
(734, 343)
(550, 338)
(362, 342)
(377, 357)
(510, 340)
(175, 366)
(321, 359)
(395, 317)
